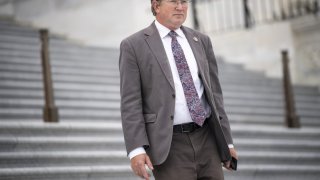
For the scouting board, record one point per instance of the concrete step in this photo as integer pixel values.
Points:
(83, 95)
(59, 70)
(15, 102)
(253, 131)
(87, 87)
(16, 94)
(254, 110)
(60, 159)
(93, 158)
(16, 60)
(123, 172)
(113, 128)
(53, 144)
(242, 101)
(18, 31)
(65, 47)
(87, 80)
(230, 97)
(106, 64)
(112, 172)
(279, 158)
(232, 73)
(301, 90)
(9, 84)
(15, 25)
(22, 119)
(88, 114)
(78, 114)
(37, 76)
(10, 71)
(105, 113)
(91, 72)
(21, 68)
(20, 47)
(27, 76)
(250, 81)
(24, 40)
(78, 104)
(277, 145)
(270, 120)
(90, 87)
(272, 172)
(81, 54)
(76, 57)
(21, 93)
(15, 112)
(96, 64)
(233, 94)
(54, 43)
(33, 72)
(61, 103)
(113, 104)
(268, 110)
(20, 54)
(60, 129)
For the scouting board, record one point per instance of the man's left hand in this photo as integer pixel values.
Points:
(233, 153)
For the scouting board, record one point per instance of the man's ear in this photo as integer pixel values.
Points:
(155, 5)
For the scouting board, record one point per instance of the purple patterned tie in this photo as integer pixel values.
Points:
(195, 107)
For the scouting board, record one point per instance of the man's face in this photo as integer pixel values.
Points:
(171, 13)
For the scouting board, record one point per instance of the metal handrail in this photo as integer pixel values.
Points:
(50, 111)
(291, 118)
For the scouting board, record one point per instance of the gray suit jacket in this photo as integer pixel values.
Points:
(148, 94)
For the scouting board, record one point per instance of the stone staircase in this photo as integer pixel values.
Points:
(87, 143)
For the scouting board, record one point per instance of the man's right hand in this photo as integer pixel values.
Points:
(138, 166)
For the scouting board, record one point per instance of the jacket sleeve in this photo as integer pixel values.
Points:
(133, 123)
(217, 91)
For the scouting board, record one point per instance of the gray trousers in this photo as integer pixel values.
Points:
(192, 156)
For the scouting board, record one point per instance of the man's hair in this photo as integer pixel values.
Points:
(152, 9)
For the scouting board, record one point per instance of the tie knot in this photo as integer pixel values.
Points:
(172, 34)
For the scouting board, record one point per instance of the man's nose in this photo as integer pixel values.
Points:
(179, 5)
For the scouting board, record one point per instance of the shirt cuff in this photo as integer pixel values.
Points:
(136, 152)
(230, 145)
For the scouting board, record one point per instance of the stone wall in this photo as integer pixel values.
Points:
(94, 22)
(260, 48)
(307, 44)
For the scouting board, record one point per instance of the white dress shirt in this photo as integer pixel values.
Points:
(181, 113)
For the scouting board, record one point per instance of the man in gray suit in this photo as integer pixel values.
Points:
(172, 109)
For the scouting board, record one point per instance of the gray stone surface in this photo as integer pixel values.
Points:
(87, 143)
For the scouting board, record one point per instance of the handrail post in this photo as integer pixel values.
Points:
(50, 111)
(291, 118)
(195, 15)
(247, 15)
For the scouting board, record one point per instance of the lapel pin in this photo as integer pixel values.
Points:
(195, 39)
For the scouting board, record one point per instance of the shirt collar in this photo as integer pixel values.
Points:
(163, 31)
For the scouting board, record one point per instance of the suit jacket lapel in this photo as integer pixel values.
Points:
(155, 43)
(197, 50)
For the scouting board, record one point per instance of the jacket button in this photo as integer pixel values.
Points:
(173, 95)
(171, 117)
